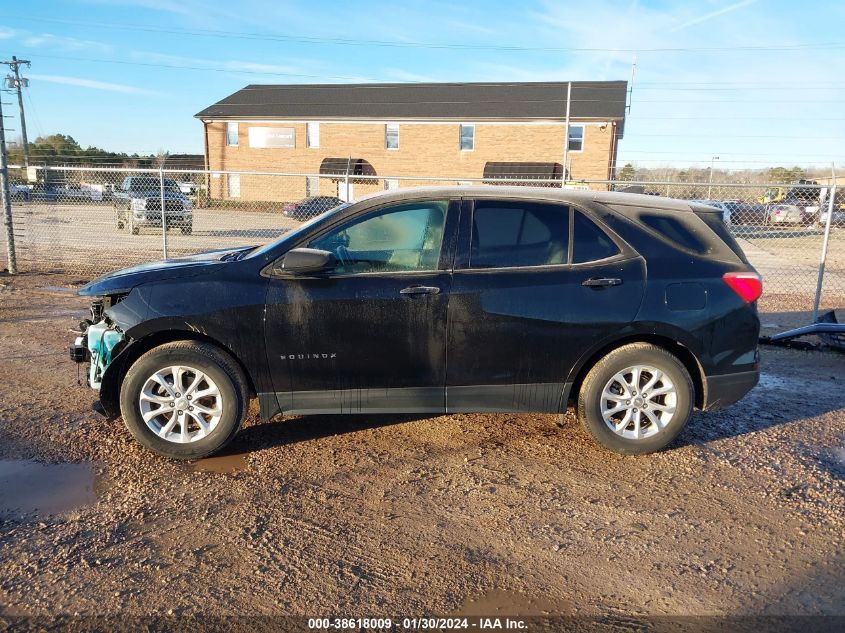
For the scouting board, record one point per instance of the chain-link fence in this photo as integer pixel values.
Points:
(88, 221)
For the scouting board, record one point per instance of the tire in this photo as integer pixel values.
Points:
(120, 225)
(221, 376)
(657, 427)
(187, 230)
(135, 230)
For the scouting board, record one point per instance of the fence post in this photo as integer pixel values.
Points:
(6, 196)
(831, 196)
(163, 208)
(346, 195)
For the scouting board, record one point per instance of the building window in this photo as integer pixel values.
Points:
(312, 185)
(576, 138)
(467, 138)
(390, 184)
(232, 133)
(234, 182)
(391, 136)
(312, 135)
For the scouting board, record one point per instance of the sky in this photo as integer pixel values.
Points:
(754, 82)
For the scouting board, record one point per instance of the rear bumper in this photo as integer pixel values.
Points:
(172, 220)
(723, 391)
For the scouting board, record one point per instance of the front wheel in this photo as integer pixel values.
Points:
(184, 400)
(636, 400)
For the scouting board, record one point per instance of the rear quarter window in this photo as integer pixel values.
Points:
(676, 231)
(590, 243)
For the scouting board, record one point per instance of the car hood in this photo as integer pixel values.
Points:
(128, 278)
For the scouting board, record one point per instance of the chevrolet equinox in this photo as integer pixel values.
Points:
(635, 309)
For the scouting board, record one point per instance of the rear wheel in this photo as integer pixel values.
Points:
(184, 400)
(636, 400)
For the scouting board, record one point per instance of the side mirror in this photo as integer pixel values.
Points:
(306, 260)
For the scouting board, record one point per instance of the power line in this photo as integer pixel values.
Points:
(303, 39)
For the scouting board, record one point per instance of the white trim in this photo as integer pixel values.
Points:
(583, 138)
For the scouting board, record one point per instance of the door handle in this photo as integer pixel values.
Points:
(601, 282)
(420, 290)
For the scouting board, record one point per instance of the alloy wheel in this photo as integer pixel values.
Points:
(638, 402)
(180, 404)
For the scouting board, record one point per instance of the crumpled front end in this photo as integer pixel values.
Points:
(100, 340)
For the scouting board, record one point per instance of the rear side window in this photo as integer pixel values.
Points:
(506, 235)
(590, 243)
(674, 230)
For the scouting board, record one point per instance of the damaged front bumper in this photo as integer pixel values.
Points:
(97, 344)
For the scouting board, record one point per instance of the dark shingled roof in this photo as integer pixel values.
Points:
(600, 100)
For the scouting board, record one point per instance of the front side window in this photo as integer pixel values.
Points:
(576, 138)
(513, 234)
(467, 138)
(232, 133)
(312, 135)
(589, 242)
(391, 136)
(401, 238)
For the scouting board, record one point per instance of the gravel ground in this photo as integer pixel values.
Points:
(390, 516)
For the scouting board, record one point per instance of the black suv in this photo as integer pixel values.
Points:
(139, 200)
(635, 308)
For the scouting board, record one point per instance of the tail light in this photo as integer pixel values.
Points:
(290, 206)
(749, 286)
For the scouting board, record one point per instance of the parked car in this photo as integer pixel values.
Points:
(790, 214)
(138, 204)
(75, 192)
(43, 193)
(18, 192)
(310, 207)
(838, 209)
(437, 300)
(747, 212)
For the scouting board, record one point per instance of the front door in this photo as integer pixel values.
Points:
(535, 285)
(369, 335)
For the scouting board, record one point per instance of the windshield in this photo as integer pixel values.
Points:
(293, 233)
(153, 184)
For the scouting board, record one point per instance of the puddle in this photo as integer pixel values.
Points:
(793, 383)
(498, 603)
(28, 486)
(221, 464)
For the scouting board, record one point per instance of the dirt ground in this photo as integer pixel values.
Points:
(391, 516)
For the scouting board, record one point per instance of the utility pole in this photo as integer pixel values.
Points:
(713, 160)
(5, 194)
(18, 83)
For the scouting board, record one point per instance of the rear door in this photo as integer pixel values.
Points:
(536, 284)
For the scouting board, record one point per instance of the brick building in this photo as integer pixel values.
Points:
(449, 130)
